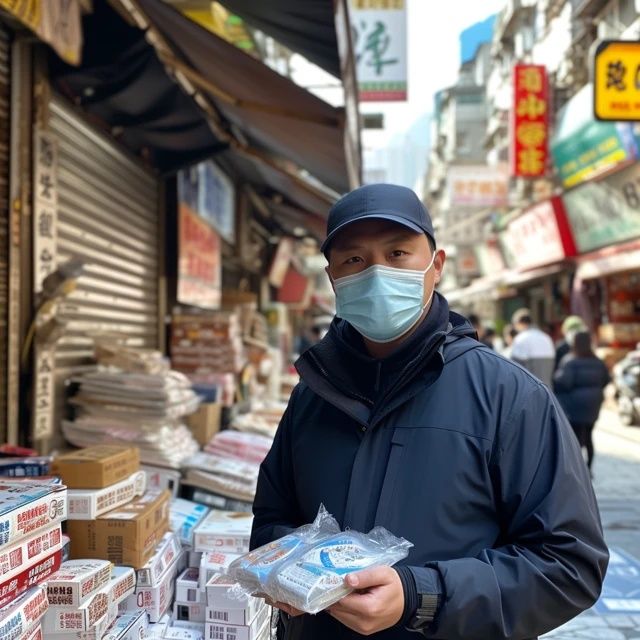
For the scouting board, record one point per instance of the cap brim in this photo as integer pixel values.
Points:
(371, 216)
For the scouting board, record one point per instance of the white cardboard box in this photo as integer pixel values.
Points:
(222, 608)
(129, 626)
(168, 550)
(182, 633)
(23, 614)
(224, 531)
(184, 517)
(76, 581)
(194, 612)
(213, 563)
(187, 589)
(215, 630)
(160, 478)
(87, 504)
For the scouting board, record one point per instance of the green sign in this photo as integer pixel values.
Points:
(605, 212)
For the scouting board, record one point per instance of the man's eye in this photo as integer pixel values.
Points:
(398, 253)
(352, 260)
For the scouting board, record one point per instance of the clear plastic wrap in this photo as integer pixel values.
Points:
(307, 568)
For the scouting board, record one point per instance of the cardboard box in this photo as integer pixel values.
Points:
(14, 559)
(35, 634)
(87, 504)
(184, 517)
(167, 551)
(187, 589)
(194, 612)
(156, 599)
(31, 576)
(63, 619)
(77, 580)
(23, 614)
(215, 630)
(176, 632)
(130, 626)
(27, 508)
(224, 609)
(160, 479)
(205, 422)
(127, 536)
(214, 563)
(96, 467)
(224, 531)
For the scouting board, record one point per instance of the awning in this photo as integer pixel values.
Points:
(516, 278)
(486, 288)
(272, 112)
(122, 85)
(615, 259)
(305, 26)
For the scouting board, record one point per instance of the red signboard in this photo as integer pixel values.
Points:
(541, 235)
(199, 272)
(530, 129)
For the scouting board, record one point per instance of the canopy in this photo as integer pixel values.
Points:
(273, 112)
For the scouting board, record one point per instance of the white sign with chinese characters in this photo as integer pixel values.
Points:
(45, 218)
(379, 29)
(45, 210)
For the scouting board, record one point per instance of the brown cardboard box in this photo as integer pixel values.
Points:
(126, 536)
(96, 467)
(205, 422)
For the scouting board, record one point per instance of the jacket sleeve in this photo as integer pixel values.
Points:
(563, 378)
(550, 561)
(275, 505)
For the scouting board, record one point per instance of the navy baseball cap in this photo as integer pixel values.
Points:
(380, 201)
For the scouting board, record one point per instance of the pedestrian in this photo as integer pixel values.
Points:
(579, 383)
(488, 337)
(403, 420)
(532, 347)
(571, 324)
(474, 321)
(508, 335)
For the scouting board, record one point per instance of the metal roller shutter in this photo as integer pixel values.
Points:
(107, 216)
(5, 108)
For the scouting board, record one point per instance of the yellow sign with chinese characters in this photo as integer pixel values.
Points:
(616, 94)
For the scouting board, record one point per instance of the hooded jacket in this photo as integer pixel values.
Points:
(456, 449)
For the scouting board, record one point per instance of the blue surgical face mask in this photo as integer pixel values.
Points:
(382, 303)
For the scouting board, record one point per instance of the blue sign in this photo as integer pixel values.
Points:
(621, 590)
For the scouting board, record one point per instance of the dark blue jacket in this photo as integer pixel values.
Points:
(466, 455)
(578, 384)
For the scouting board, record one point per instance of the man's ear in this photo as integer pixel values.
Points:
(438, 264)
(330, 278)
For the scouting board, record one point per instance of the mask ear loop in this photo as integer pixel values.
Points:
(433, 258)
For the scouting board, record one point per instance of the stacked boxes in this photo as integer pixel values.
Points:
(31, 541)
(226, 531)
(21, 619)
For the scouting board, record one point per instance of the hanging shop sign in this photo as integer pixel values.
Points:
(616, 93)
(605, 212)
(199, 268)
(210, 193)
(490, 257)
(541, 235)
(478, 186)
(57, 22)
(45, 224)
(529, 131)
(584, 147)
(466, 261)
(281, 262)
(379, 30)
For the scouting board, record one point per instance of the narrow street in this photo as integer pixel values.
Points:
(616, 616)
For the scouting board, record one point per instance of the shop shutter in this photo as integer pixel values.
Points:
(5, 109)
(108, 217)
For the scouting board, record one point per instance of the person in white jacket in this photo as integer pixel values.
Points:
(533, 348)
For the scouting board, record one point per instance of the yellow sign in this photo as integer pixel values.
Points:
(616, 94)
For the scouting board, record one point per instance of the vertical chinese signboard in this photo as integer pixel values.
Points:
(379, 30)
(45, 218)
(529, 131)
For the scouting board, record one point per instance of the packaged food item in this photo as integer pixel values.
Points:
(184, 517)
(187, 589)
(254, 631)
(29, 507)
(129, 626)
(167, 551)
(224, 531)
(25, 467)
(213, 563)
(87, 504)
(96, 467)
(194, 612)
(306, 569)
(224, 607)
(23, 614)
(77, 580)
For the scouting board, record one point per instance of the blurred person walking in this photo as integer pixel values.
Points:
(532, 348)
(509, 334)
(578, 383)
(571, 324)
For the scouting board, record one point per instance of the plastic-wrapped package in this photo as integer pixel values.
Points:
(307, 568)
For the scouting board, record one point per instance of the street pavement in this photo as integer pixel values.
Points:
(616, 616)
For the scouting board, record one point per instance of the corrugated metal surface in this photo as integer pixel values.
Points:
(5, 107)
(107, 215)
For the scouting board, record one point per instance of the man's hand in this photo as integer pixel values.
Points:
(376, 604)
(287, 608)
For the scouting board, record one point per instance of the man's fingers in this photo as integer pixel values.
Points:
(368, 578)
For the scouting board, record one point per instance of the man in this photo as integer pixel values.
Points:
(571, 325)
(532, 347)
(403, 420)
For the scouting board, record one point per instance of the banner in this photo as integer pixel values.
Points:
(379, 29)
(530, 130)
(478, 186)
(199, 268)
